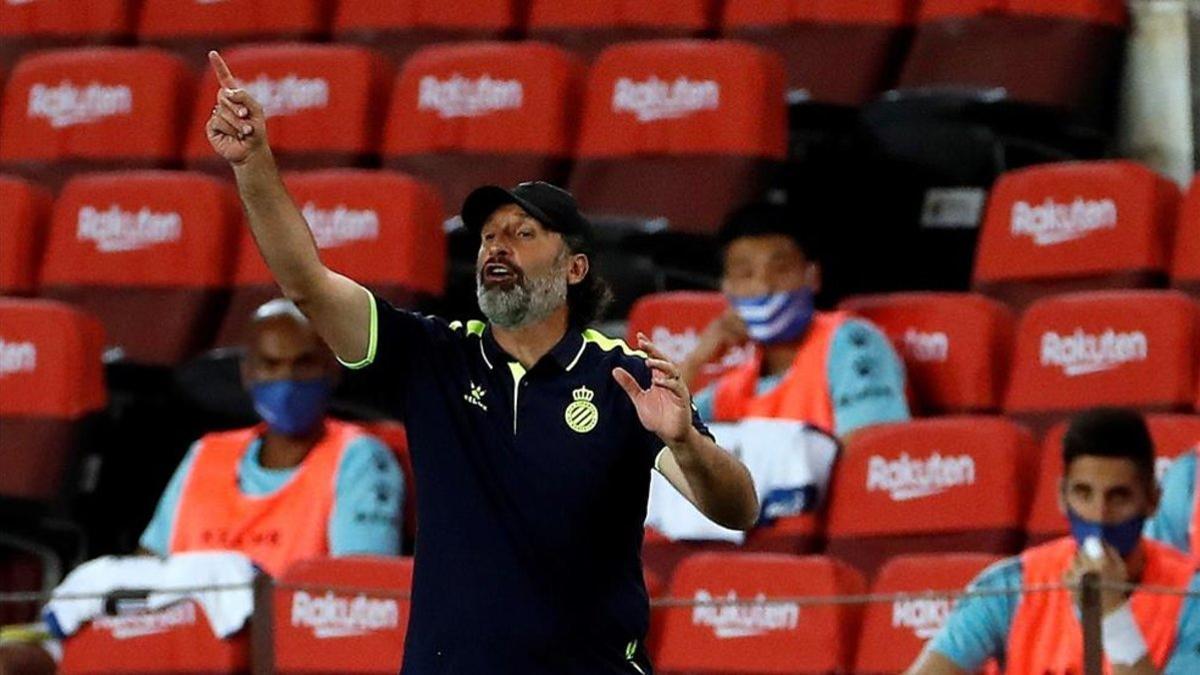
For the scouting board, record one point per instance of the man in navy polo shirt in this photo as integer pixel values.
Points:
(532, 436)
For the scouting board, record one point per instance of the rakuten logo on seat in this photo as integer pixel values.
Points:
(933, 347)
(289, 94)
(923, 616)
(1082, 353)
(653, 99)
(458, 96)
(65, 105)
(341, 225)
(17, 357)
(115, 230)
(906, 478)
(1052, 223)
(333, 616)
(148, 623)
(745, 619)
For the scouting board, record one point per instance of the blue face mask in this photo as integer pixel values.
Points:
(292, 407)
(776, 317)
(1124, 537)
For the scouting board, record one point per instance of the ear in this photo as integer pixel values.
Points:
(578, 268)
(812, 276)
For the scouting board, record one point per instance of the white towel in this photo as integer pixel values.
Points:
(227, 610)
(790, 462)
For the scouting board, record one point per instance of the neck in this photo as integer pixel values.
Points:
(286, 452)
(528, 344)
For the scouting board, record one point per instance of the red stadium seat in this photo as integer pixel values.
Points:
(149, 253)
(1185, 270)
(674, 322)
(894, 633)
(323, 101)
(483, 113)
(1173, 435)
(989, 45)
(1130, 348)
(401, 27)
(759, 638)
(1076, 226)
(586, 27)
(382, 228)
(314, 635)
(51, 378)
(955, 346)
(177, 639)
(838, 52)
(51, 24)
(661, 118)
(193, 28)
(92, 109)
(931, 486)
(24, 209)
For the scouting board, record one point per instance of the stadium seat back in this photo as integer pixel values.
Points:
(382, 228)
(1076, 226)
(310, 638)
(402, 27)
(985, 46)
(93, 109)
(193, 28)
(930, 486)
(1185, 269)
(323, 102)
(1127, 348)
(24, 210)
(771, 637)
(674, 322)
(586, 27)
(663, 118)
(894, 633)
(474, 114)
(178, 639)
(150, 254)
(836, 52)
(1173, 435)
(955, 346)
(51, 24)
(51, 378)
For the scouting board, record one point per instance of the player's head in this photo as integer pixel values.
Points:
(770, 272)
(534, 255)
(1108, 485)
(288, 370)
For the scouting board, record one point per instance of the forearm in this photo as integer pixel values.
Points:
(1142, 667)
(279, 229)
(721, 486)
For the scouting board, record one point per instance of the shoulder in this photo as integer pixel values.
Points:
(858, 334)
(613, 350)
(1004, 573)
(1183, 466)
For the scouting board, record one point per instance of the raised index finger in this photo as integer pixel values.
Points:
(224, 77)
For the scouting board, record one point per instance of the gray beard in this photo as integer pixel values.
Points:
(525, 302)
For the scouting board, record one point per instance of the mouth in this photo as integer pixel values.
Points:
(498, 273)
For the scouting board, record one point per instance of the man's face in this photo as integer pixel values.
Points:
(523, 269)
(765, 264)
(282, 349)
(1107, 490)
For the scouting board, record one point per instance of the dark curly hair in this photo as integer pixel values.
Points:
(588, 299)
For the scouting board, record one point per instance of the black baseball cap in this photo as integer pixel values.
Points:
(550, 205)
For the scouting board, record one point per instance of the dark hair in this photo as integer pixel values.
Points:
(760, 219)
(1111, 432)
(586, 300)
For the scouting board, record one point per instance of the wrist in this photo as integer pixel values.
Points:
(683, 446)
(258, 160)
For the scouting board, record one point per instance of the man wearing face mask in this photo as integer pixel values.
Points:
(1108, 491)
(829, 369)
(300, 485)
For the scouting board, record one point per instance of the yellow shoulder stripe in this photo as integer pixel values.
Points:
(608, 343)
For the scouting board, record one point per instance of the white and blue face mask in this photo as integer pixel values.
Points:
(776, 317)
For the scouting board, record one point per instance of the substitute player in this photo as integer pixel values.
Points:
(532, 436)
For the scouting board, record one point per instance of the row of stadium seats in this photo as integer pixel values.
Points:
(837, 51)
(304, 637)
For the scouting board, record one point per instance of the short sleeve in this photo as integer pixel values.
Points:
(157, 536)
(1172, 520)
(866, 379)
(977, 629)
(369, 501)
(1186, 657)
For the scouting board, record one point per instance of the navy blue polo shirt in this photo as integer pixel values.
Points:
(531, 490)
